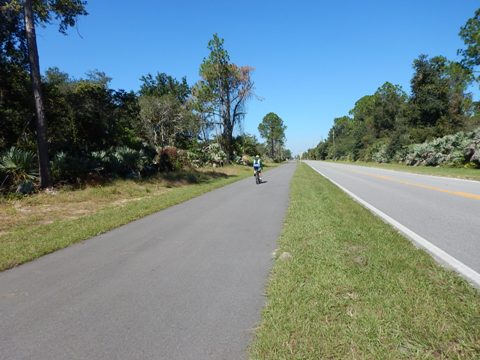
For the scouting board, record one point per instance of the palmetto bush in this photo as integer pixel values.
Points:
(129, 162)
(70, 168)
(452, 150)
(379, 153)
(122, 161)
(18, 166)
(215, 154)
(195, 159)
(100, 159)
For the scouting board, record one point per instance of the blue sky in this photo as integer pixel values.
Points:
(312, 59)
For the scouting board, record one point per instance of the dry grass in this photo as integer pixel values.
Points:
(46, 207)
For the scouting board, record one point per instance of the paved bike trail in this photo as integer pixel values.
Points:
(184, 283)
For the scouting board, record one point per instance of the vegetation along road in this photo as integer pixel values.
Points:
(184, 283)
(442, 211)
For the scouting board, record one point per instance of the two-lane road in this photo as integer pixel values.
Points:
(184, 283)
(444, 211)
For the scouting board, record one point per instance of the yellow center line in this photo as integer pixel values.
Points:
(434, 188)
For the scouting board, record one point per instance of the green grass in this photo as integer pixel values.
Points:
(356, 289)
(40, 224)
(461, 173)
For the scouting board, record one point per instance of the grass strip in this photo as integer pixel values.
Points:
(355, 288)
(459, 173)
(26, 243)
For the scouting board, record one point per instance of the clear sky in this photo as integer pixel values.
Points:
(313, 58)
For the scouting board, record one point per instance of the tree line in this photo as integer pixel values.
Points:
(73, 127)
(383, 126)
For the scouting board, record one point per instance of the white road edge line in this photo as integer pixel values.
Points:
(469, 274)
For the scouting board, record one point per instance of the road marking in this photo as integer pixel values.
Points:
(468, 273)
(428, 187)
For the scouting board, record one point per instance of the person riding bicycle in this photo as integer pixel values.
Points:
(257, 166)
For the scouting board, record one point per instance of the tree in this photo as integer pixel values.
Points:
(163, 119)
(224, 90)
(85, 115)
(15, 114)
(41, 123)
(202, 107)
(22, 46)
(166, 112)
(272, 130)
(439, 101)
(340, 136)
(460, 102)
(389, 104)
(164, 84)
(429, 100)
(470, 34)
(247, 144)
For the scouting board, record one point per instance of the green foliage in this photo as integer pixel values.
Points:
(378, 152)
(438, 95)
(67, 168)
(167, 115)
(272, 130)
(129, 162)
(389, 103)
(85, 115)
(247, 144)
(429, 90)
(470, 36)
(15, 107)
(17, 166)
(451, 150)
(164, 84)
(15, 99)
(121, 161)
(215, 154)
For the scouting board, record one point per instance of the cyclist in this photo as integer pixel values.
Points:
(257, 166)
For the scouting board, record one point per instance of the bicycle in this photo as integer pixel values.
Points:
(258, 180)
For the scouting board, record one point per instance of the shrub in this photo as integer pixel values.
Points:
(451, 150)
(215, 154)
(377, 152)
(128, 162)
(195, 159)
(169, 159)
(18, 168)
(122, 161)
(70, 168)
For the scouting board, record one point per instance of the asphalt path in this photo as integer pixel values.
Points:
(444, 211)
(184, 283)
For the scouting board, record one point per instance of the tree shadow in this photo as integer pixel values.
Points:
(170, 179)
(182, 177)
